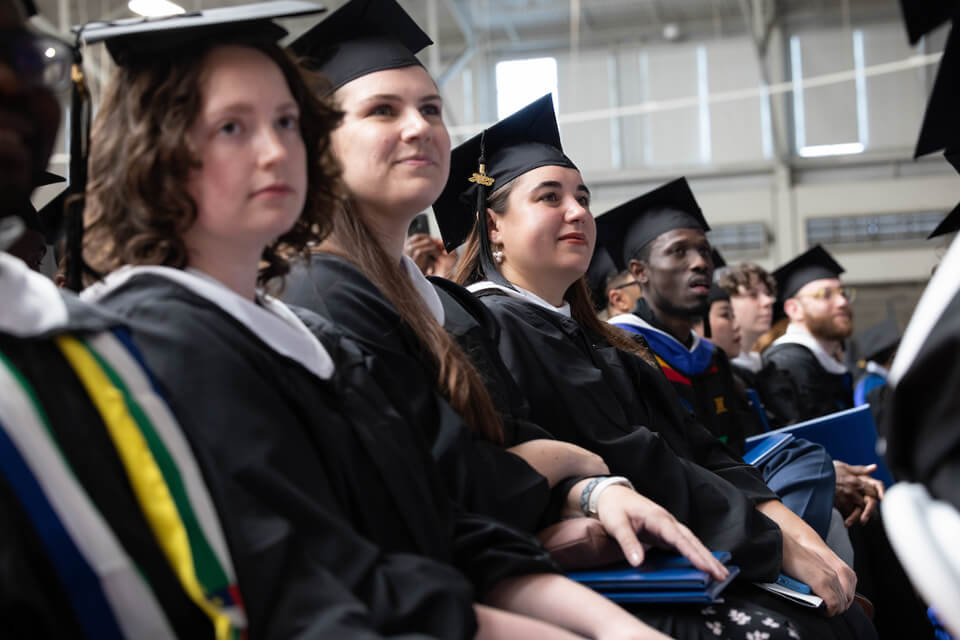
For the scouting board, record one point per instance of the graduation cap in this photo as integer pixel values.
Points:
(940, 129)
(626, 229)
(47, 220)
(949, 224)
(718, 261)
(923, 16)
(146, 39)
(599, 272)
(519, 143)
(138, 41)
(361, 37)
(878, 342)
(29, 8)
(815, 264)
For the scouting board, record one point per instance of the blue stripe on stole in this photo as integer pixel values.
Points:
(689, 363)
(79, 580)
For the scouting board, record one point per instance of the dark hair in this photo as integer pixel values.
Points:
(137, 208)
(472, 268)
(744, 275)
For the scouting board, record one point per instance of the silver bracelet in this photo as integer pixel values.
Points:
(600, 487)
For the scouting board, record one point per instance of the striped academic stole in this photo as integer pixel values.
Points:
(110, 595)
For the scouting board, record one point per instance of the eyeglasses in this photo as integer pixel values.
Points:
(828, 293)
(625, 285)
(40, 61)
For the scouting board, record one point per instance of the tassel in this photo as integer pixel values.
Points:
(79, 148)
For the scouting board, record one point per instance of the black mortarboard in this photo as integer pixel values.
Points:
(949, 224)
(136, 39)
(718, 261)
(878, 342)
(633, 225)
(29, 8)
(815, 264)
(923, 16)
(519, 143)
(940, 129)
(361, 37)
(599, 272)
(47, 220)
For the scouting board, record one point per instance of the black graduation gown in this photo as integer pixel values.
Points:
(815, 391)
(335, 516)
(34, 601)
(713, 395)
(591, 394)
(922, 417)
(482, 476)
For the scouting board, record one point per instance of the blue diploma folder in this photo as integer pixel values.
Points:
(660, 578)
(765, 445)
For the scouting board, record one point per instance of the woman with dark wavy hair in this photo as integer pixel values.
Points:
(336, 517)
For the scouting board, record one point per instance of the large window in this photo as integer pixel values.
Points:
(751, 236)
(872, 229)
(520, 82)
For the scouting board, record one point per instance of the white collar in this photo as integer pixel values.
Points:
(749, 360)
(424, 288)
(32, 304)
(521, 294)
(798, 335)
(634, 320)
(938, 294)
(271, 320)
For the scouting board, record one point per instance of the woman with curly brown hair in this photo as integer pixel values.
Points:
(336, 517)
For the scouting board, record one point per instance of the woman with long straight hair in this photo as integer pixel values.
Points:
(393, 150)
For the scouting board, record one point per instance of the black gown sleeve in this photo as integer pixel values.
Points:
(303, 569)
(922, 419)
(481, 476)
(814, 391)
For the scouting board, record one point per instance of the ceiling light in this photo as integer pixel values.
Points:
(154, 8)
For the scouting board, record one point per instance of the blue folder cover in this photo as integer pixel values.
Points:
(765, 445)
(660, 578)
(850, 436)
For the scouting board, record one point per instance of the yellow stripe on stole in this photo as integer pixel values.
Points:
(144, 474)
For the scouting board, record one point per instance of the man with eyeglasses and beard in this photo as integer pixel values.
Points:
(817, 303)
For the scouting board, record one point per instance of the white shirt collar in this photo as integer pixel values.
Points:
(271, 320)
(424, 288)
(520, 294)
(750, 360)
(32, 304)
(796, 334)
(634, 320)
(938, 294)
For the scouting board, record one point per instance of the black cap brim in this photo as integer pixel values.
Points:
(923, 16)
(940, 128)
(814, 264)
(139, 40)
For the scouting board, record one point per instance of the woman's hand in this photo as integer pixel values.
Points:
(808, 559)
(634, 520)
(556, 460)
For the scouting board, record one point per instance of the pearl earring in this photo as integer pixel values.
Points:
(498, 256)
